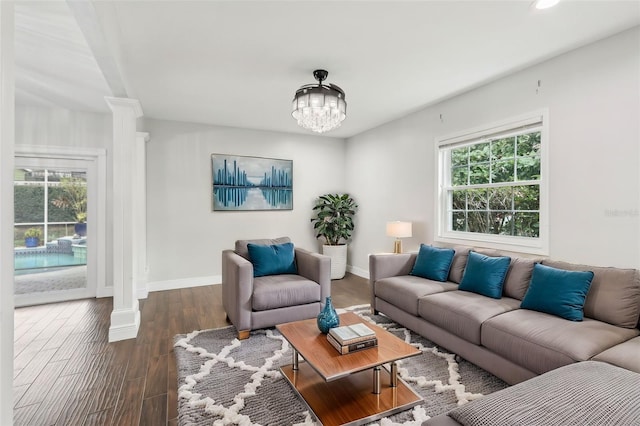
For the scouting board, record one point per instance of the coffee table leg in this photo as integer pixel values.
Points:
(394, 375)
(294, 359)
(376, 380)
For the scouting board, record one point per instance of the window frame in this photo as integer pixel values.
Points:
(538, 120)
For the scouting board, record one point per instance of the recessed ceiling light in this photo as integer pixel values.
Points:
(544, 4)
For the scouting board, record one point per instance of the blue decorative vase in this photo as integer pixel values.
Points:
(80, 228)
(328, 318)
(31, 241)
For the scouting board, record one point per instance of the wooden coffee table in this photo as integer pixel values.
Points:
(347, 389)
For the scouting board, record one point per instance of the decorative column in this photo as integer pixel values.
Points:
(140, 218)
(7, 135)
(125, 318)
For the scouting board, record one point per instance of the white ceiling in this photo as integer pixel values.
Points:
(238, 63)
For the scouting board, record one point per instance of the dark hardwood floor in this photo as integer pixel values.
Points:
(66, 372)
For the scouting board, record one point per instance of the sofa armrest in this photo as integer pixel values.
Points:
(237, 289)
(315, 267)
(388, 265)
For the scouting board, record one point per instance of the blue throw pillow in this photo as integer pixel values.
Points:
(557, 292)
(485, 275)
(273, 259)
(433, 263)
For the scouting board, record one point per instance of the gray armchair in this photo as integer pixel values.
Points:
(260, 302)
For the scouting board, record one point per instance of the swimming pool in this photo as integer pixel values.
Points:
(28, 261)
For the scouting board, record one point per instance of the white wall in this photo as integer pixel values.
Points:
(593, 97)
(185, 237)
(62, 127)
(7, 111)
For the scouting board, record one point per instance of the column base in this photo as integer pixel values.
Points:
(124, 324)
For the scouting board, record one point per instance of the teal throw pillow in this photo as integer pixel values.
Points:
(485, 275)
(557, 292)
(433, 263)
(273, 259)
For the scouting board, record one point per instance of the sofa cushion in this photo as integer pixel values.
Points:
(462, 313)
(459, 263)
(433, 263)
(518, 277)
(485, 275)
(272, 259)
(625, 355)
(279, 291)
(614, 296)
(404, 291)
(242, 250)
(541, 342)
(557, 292)
(586, 393)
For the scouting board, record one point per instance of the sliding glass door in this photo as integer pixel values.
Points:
(50, 232)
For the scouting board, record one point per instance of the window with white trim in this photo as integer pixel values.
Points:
(492, 185)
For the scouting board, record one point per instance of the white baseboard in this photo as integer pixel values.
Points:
(142, 292)
(123, 332)
(124, 323)
(104, 292)
(358, 271)
(41, 298)
(183, 283)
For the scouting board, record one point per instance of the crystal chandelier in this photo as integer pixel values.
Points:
(320, 107)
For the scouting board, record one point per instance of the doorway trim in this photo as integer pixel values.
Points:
(96, 205)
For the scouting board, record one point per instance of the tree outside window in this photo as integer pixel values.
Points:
(491, 185)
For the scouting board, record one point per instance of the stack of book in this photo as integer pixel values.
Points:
(351, 338)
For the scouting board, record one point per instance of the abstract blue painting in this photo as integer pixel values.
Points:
(251, 183)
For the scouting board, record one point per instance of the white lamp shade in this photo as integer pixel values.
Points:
(399, 229)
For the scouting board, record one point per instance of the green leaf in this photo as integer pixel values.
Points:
(333, 218)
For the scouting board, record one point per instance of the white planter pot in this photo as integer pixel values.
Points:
(338, 255)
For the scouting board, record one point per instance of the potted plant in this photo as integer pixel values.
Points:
(333, 221)
(74, 199)
(32, 237)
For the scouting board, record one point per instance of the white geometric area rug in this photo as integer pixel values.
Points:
(222, 380)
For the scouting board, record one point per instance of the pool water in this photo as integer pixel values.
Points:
(46, 260)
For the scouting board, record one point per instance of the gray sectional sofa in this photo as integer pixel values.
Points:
(579, 394)
(496, 334)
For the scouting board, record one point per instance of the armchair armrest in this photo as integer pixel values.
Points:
(315, 267)
(388, 265)
(237, 289)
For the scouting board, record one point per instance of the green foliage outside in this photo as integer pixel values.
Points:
(29, 208)
(33, 233)
(333, 219)
(73, 198)
(29, 205)
(509, 209)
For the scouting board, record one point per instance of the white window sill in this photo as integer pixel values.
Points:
(512, 244)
